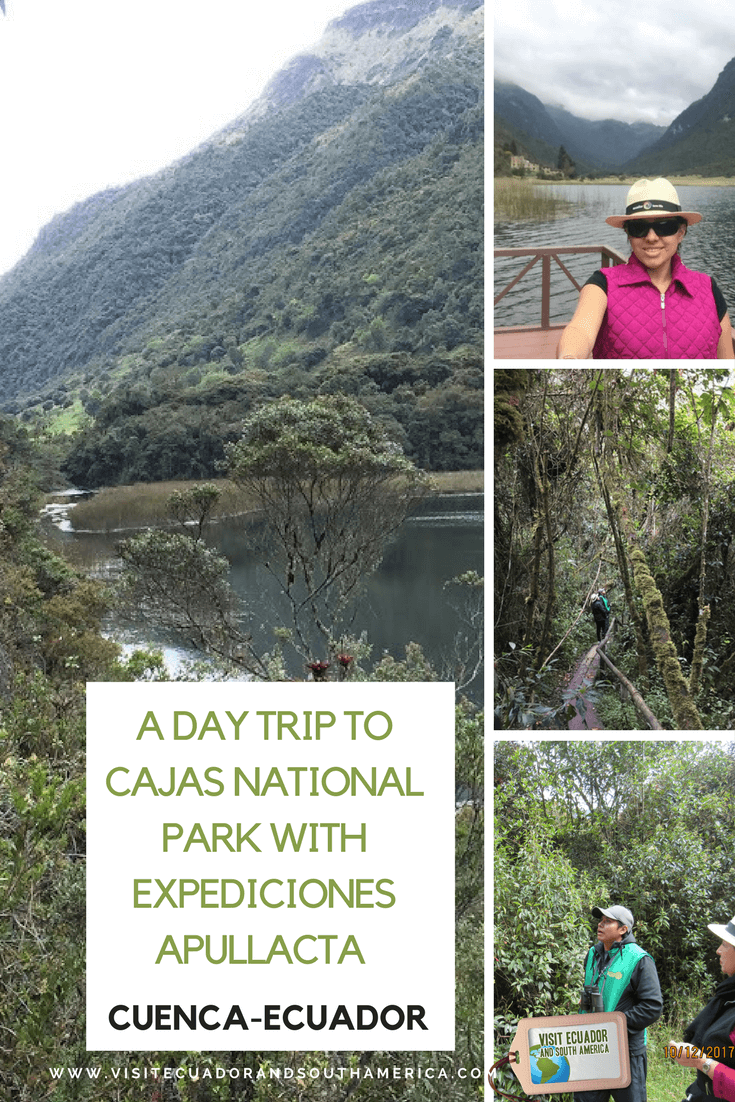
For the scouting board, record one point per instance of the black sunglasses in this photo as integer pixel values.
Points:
(662, 227)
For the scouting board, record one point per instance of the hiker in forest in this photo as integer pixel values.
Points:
(600, 607)
(653, 307)
(622, 976)
(713, 1030)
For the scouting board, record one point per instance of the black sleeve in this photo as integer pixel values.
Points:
(598, 279)
(649, 1003)
(719, 301)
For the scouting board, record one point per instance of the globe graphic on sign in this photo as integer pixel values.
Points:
(548, 1069)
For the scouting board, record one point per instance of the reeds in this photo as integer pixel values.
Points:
(458, 482)
(520, 200)
(143, 505)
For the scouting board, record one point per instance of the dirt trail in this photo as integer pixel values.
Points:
(586, 670)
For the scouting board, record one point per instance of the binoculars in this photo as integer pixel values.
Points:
(591, 1000)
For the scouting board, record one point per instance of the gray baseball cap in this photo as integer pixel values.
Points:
(619, 914)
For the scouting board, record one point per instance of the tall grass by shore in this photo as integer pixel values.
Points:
(626, 181)
(143, 505)
(521, 200)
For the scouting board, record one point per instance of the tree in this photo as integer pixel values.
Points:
(330, 488)
(649, 824)
(719, 395)
(565, 162)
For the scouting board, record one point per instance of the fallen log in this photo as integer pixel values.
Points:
(635, 696)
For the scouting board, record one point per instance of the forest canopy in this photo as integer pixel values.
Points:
(619, 478)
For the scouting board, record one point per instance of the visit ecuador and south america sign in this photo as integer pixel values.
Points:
(571, 1052)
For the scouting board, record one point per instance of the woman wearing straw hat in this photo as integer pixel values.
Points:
(713, 1031)
(653, 307)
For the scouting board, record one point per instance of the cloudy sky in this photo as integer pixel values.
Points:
(100, 92)
(615, 59)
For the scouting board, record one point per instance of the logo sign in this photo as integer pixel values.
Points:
(261, 861)
(577, 1052)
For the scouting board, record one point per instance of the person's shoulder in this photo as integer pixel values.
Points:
(645, 960)
(598, 279)
(719, 298)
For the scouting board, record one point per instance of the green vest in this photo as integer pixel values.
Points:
(616, 976)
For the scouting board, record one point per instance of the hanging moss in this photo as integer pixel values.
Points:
(508, 421)
(698, 657)
(510, 386)
(686, 716)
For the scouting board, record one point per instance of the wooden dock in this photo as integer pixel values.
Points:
(536, 341)
(526, 342)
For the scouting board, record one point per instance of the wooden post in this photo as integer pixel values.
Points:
(545, 290)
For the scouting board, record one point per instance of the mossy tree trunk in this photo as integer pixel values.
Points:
(700, 638)
(545, 490)
(622, 558)
(686, 716)
(673, 377)
(533, 590)
(542, 526)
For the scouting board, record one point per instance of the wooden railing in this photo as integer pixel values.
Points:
(609, 258)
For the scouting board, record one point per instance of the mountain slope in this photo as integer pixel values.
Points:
(592, 144)
(524, 113)
(701, 139)
(338, 219)
(605, 143)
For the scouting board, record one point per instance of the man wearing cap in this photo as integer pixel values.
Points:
(712, 1033)
(628, 981)
(653, 307)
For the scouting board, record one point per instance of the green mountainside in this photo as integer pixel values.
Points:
(328, 240)
(701, 139)
(511, 139)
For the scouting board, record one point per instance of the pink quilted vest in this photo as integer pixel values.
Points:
(642, 324)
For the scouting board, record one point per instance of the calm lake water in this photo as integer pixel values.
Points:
(405, 600)
(708, 247)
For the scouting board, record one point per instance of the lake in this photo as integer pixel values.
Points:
(708, 247)
(404, 601)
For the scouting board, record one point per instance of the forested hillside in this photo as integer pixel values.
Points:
(329, 240)
(623, 479)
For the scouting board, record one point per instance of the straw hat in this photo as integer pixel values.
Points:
(649, 198)
(725, 933)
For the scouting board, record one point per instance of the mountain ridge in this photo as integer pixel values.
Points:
(699, 138)
(283, 253)
(587, 141)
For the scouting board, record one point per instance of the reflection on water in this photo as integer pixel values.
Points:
(404, 601)
(708, 247)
